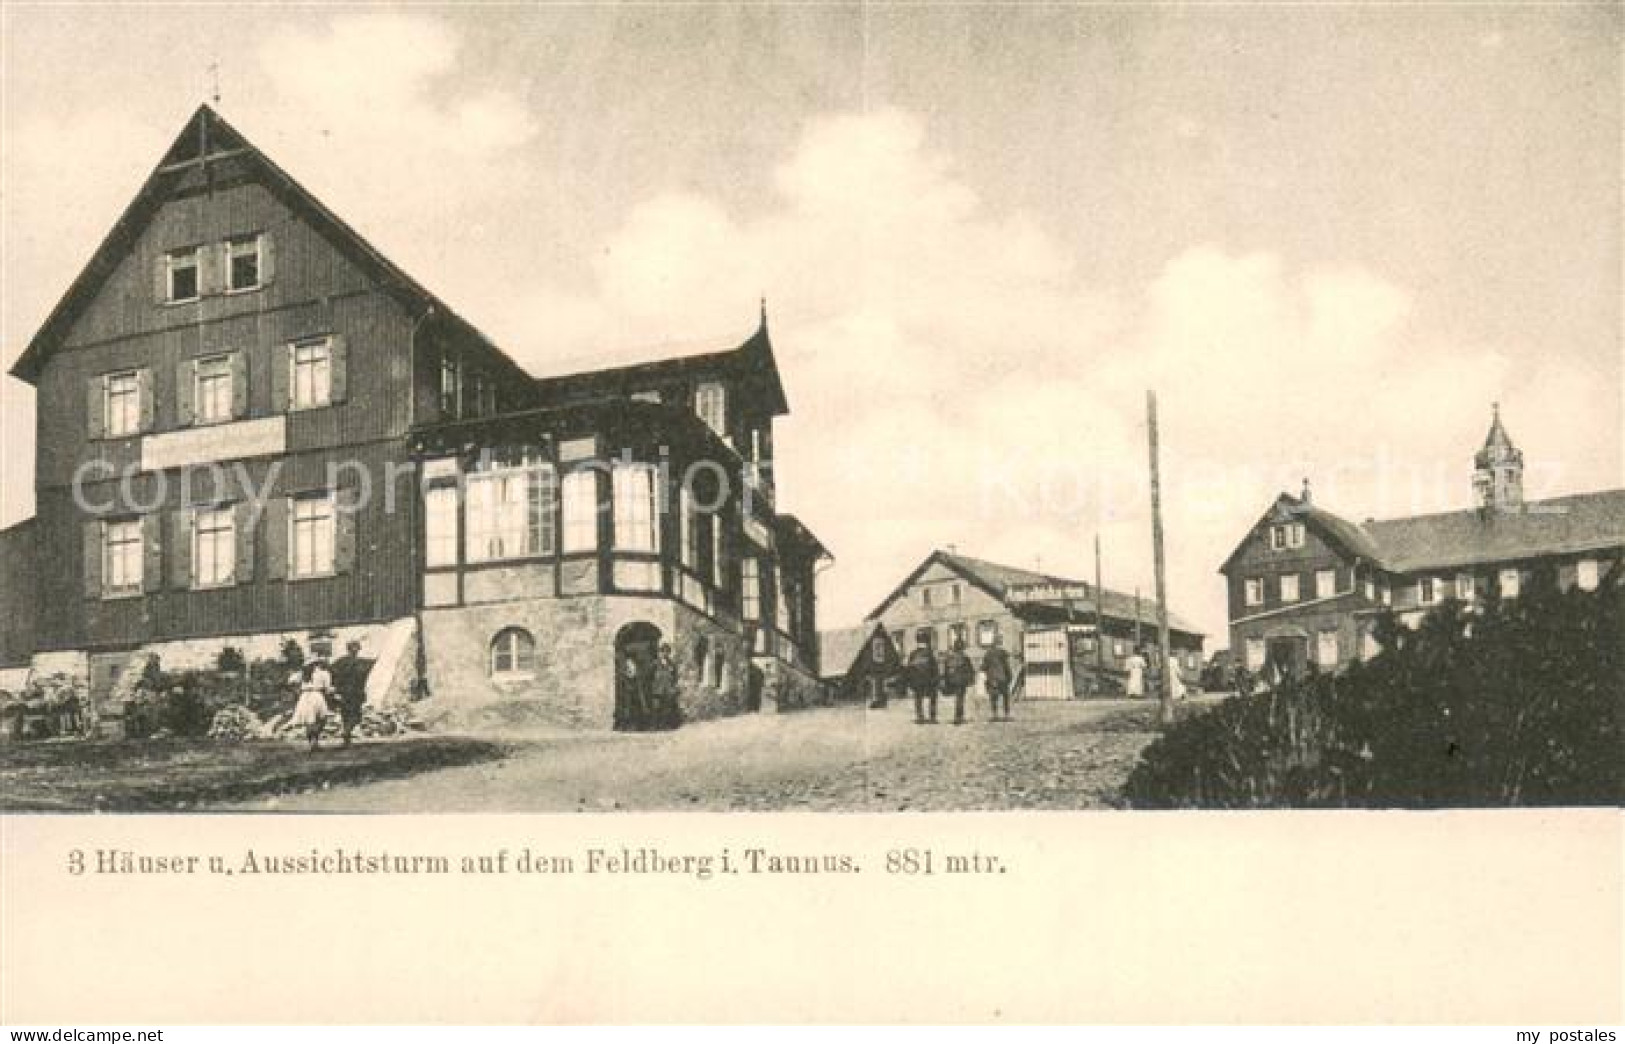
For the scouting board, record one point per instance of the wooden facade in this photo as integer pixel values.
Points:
(236, 398)
(1306, 588)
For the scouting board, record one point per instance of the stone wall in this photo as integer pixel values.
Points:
(573, 684)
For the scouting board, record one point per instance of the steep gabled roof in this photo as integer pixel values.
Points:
(997, 580)
(839, 649)
(207, 139)
(1332, 528)
(1562, 525)
(751, 360)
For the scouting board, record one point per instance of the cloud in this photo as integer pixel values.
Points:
(953, 381)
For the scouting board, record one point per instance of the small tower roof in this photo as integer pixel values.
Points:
(1497, 444)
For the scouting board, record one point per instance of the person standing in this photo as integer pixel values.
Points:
(996, 676)
(922, 680)
(350, 683)
(958, 674)
(312, 709)
(1135, 665)
(667, 711)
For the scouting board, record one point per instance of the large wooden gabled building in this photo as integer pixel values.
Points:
(1307, 587)
(248, 419)
(1069, 639)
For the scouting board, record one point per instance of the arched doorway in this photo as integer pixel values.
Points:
(636, 646)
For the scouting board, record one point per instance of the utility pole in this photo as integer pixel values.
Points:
(1138, 638)
(1100, 627)
(1165, 692)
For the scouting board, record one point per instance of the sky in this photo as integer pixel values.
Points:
(1327, 237)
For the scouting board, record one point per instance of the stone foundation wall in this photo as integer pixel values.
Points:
(573, 684)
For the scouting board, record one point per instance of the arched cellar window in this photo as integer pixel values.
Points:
(513, 654)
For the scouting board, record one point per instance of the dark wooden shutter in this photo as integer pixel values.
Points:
(96, 407)
(239, 385)
(93, 559)
(338, 380)
(246, 518)
(185, 392)
(281, 367)
(345, 510)
(152, 552)
(160, 279)
(276, 538)
(180, 548)
(147, 400)
(267, 259)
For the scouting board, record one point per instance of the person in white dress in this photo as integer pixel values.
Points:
(1135, 665)
(315, 685)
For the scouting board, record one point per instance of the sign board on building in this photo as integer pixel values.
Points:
(1024, 593)
(215, 442)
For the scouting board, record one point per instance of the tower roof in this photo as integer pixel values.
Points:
(1497, 444)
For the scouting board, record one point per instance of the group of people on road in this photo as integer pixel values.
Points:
(320, 686)
(1142, 668)
(926, 675)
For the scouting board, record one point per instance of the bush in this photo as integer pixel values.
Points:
(1516, 704)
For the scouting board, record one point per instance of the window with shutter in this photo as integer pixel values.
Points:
(122, 406)
(183, 274)
(212, 395)
(122, 559)
(312, 536)
(243, 264)
(310, 374)
(214, 547)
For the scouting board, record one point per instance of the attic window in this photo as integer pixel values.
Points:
(710, 402)
(182, 266)
(1286, 537)
(244, 269)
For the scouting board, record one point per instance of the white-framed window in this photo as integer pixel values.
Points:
(1119, 648)
(1326, 648)
(711, 403)
(211, 383)
(121, 556)
(1464, 587)
(719, 567)
(636, 520)
(1586, 574)
(1370, 590)
(1427, 590)
(877, 648)
(986, 632)
(580, 503)
(214, 546)
(1255, 654)
(243, 264)
(781, 603)
(310, 381)
(688, 528)
(184, 275)
(1255, 591)
(1289, 587)
(1387, 594)
(311, 522)
(121, 403)
(956, 635)
(440, 525)
(513, 654)
(509, 513)
(1511, 581)
(751, 597)
(1286, 536)
(1325, 583)
(451, 386)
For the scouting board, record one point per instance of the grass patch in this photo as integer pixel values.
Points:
(174, 774)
